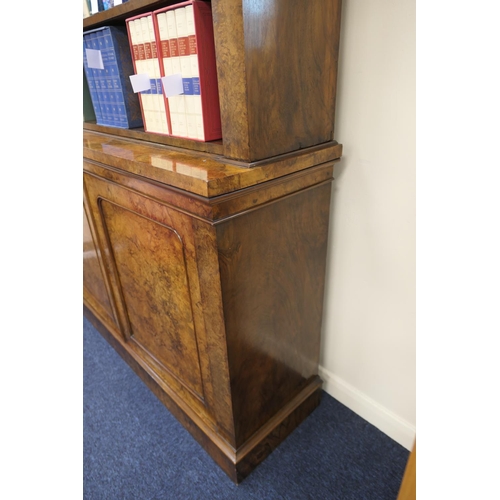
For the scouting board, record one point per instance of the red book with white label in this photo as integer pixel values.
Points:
(198, 68)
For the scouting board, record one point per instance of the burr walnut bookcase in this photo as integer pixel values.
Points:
(204, 263)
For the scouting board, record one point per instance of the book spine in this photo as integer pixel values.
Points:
(159, 100)
(88, 106)
(183, 45)
(208, 71)
(114, 84)
(136, 63)
(105, 97)
(89, 73)
(177, 104)
(194, 107)
(128, 111)
(141, 68)
(99, 82)
(187, 82)
(145, 94)
(110, 68)
(153, 125)
(164, 57)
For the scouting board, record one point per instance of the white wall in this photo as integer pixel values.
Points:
(368, 346)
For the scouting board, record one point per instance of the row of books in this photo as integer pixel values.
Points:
(108, 64)
(169, 75)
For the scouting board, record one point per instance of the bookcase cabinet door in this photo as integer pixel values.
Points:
(151, 256)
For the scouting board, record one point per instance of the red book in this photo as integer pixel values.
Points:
(142, 39)
(201, 92)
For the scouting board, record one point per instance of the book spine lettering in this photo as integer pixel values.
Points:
(137, 62)
(164, 58)
(145, 57)
(160, 102)
(182, 42)
(110, 69)
(141, 68)
(194, 107)
(104, 93)
(177, 105)
(186, 44)
(94, 45)
(116, 93)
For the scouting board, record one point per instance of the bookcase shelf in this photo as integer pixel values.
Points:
(204, 263)
(214, 147)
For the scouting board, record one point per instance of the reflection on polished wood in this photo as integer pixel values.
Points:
(198, 173)
(272, 302)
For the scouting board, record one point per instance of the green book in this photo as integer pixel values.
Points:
(88, 108)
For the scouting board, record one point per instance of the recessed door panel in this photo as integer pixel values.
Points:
(151, 268)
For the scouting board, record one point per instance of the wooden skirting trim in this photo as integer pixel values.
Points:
(269, 436)
(236, 463)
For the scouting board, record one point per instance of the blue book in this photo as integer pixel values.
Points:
(121, 104)
(102, 75)
(88, 106)
(99, 81)
(110, 71)
(89, 73)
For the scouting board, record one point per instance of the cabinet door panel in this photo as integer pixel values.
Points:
(164, 281)
(151, 268)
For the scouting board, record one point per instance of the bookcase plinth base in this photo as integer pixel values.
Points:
(236, 464)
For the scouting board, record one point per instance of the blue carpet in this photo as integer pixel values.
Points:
(135, 449)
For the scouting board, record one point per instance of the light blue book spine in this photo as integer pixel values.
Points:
(99, 81)
(105, 100)
(110, 71)
(89, 73)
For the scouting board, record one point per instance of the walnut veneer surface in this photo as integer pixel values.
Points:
(199, 173)
(204, 263)
(217, 300)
